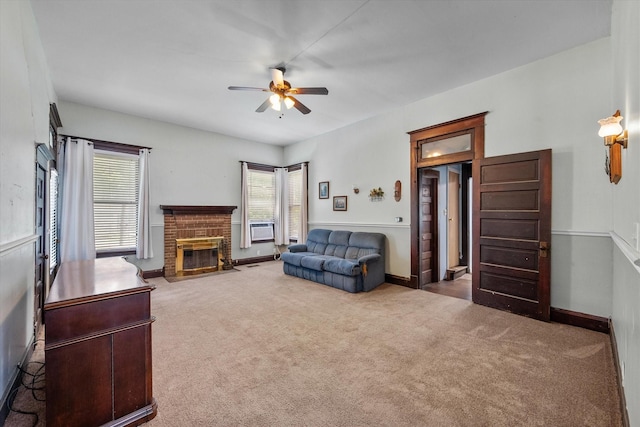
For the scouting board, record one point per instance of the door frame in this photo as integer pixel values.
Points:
(474, 125)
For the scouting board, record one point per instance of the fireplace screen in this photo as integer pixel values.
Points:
(199, 255)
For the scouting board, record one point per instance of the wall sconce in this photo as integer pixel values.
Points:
(356, 190)
(612, 132)
(615, 138)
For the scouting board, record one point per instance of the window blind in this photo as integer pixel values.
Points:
(53, 219)
(262, 195)
(295, 196)
(115, 197)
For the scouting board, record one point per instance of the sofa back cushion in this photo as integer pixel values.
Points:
(317, 240)
(338, 243)
(345, 244)
(362, 243)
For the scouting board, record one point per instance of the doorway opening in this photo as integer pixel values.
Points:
(445, 226)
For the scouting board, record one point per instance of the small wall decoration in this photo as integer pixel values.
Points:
(339, 203)
(323, 190)
(376, 194)
(397, 191)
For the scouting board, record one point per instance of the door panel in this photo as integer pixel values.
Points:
(428, 203)
(512, 231)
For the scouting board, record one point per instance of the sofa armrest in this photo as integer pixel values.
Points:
(298, 248)
(368, 258)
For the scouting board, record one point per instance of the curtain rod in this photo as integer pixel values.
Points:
(262, 165)
(100, 141)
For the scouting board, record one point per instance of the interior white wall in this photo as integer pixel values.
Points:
(552, 103)
(187, 166)
(625, 39)
(24, 119)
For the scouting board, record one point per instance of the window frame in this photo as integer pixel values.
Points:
(269, 168)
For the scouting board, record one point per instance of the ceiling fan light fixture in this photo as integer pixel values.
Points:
(275, 101)
(288, 102)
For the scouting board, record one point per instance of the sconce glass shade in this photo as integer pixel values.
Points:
(288, 102)
(610, 126)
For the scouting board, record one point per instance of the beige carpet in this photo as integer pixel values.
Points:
(259, 348)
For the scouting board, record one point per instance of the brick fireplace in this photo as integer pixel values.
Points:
(191, 222)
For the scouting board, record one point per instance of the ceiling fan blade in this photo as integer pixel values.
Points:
(309, 90)
(300, 106)
(277, 76)
(266, 104)
(248, 88)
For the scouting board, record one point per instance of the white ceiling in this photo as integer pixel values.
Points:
(172, 60)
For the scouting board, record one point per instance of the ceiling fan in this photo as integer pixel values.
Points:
(282, 93)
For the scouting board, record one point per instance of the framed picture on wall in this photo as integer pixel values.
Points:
(323, 190)
(339, 203)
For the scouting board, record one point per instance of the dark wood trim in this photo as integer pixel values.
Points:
(54, 117)
(253, 260)
(271, 168)
(150, 274)
(476, 124)
(197, 210)
(259, 166)
(581, 320)
(17, 381)
(407, 282)
(455, 124)
(118, 147)
(616, 362)
(112, 253)
(296, 167)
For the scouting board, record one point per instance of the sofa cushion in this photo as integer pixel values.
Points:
(342, 266)
(313, 262)
(295, 258)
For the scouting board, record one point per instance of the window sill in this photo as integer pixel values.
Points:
(120, 252)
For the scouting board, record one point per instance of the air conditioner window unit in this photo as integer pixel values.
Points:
(261, 231)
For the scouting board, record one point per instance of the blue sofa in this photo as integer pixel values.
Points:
(351, 261)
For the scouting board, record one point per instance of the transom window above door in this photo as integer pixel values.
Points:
(449, 144)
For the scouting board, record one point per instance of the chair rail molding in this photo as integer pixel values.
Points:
(5, 248)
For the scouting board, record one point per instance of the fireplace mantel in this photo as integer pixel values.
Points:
(197, 210)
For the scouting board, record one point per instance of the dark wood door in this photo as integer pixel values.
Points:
(512, 233)
(40, 255)
(428, 221)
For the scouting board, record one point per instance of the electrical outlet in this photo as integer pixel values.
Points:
(635, 239)
(258, 252)
(274, 250)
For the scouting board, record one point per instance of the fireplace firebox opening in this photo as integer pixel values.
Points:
(198, 255)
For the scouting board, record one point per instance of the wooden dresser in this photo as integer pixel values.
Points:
(98, 345)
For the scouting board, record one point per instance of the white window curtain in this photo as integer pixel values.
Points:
(245, 235)
(77, 239)
(144, 248)
(281, 220)
(304, 216)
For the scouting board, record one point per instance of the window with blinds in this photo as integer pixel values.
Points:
(53, 219)
(262, 195)
(115, 201)
(295, 199)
